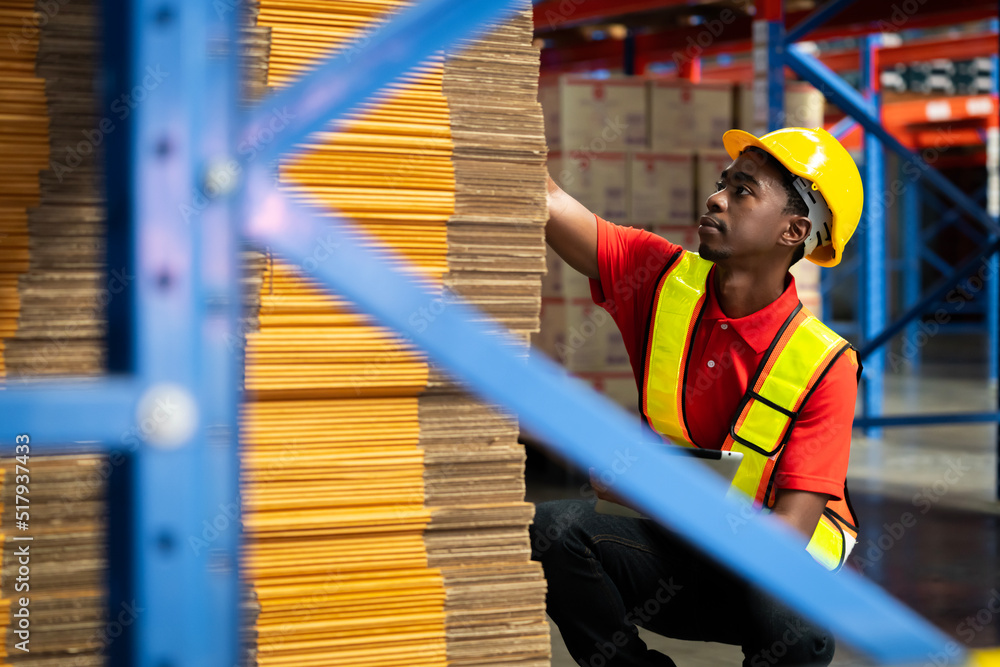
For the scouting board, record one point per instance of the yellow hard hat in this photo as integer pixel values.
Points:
(818, 157)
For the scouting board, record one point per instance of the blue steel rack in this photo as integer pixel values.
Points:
(774, 48)
(180, 202)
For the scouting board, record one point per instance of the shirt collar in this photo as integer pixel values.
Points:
(757, 329)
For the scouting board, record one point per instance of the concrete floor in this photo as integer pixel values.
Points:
(946, 566)
(906, 461)
(688, 654)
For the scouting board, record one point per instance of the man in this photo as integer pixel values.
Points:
(725, 357)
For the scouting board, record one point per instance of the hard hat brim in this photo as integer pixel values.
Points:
(736, 141)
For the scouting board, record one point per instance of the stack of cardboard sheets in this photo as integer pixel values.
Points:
(67, 560)
(332, 489)
(474, 466)
(383, 506)
(52, 319)
(24, 150)
(64, 294)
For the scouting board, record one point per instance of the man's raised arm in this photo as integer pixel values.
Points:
(572, 231)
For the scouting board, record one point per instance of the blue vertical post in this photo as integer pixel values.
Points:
(993, 210)
(116, 68)
(826, 294)
(185, 520)
(911, 229)
(873, 316)
(769, 67)
(992, 319)
(628, 53)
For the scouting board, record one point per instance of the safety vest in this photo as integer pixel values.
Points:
(796, 360)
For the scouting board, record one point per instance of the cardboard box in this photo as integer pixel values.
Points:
(683, 115)
(709, 166)
(563, 281)
(594, 115)
(807, 284)
(553, 318)
(685, 236)
(812, 300)
(598, 181)
(618, 386)
(804, 106)
(579, 335)
(552, 281)
(807, 275)
(661, 188)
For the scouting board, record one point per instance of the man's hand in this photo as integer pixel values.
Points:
(571, 231)
(800, 509)
(603, 492)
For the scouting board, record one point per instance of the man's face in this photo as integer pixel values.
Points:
(745, 218)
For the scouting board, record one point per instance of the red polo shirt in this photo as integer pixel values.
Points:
(725, 353)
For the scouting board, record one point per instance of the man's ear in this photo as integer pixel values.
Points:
(796, 231)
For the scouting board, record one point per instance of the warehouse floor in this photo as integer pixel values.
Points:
(946, 565)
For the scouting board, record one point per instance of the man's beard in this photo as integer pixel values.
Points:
(713, 254)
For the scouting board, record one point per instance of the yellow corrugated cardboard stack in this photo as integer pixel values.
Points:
(332, 474)
(24, 150)
(383, 507)
(64, 294)
(52, 315)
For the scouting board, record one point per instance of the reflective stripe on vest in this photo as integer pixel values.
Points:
(793, 365)
(671, 334)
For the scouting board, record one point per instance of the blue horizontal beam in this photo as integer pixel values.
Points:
(966, 327)
(850, 101)
(364, 67)
(820, 16)
(947, 284)
(585, 428)
(70, 414)
(924, 420)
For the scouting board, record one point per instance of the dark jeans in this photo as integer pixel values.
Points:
(608, 574)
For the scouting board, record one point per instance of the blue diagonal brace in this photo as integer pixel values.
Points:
(850, 101)
(842, 127)
(366, 66)
(820, 16)
(935, 260)
(951, 216)
(585, 428)
(946, 284)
